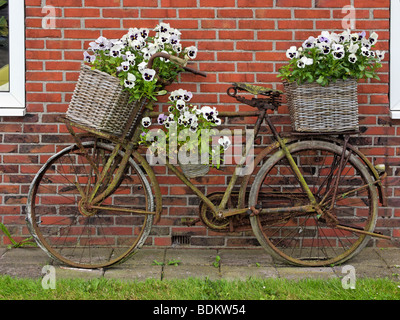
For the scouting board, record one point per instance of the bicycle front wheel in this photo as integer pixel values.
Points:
(73, 233)
(307, 238)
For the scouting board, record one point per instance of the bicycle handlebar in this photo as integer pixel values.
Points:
(177, 60)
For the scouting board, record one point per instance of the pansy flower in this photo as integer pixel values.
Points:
(309, 43)
(361, 35)
(353, 58)
(116, 51)
(353, 47)
(163, 27)
(89, 58)
(148, 74)
(144, 33)
(125, 66)
(292, 53)
(130, 81)
(344, 36)
(209, 113)
(191, 52)
(304, 61)
(354, 37)
(373, 38)
(142, 66)
(146, 122)
(180, 105)
(225, 142)
(380, 55)
(161, 119)
(177, 48)
(365, 51)
(324, 47)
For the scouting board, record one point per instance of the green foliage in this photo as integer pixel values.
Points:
(16, 244)
(216, 262)
(199, 289)
(331, 57)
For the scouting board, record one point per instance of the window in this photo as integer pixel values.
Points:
(12, 93)
(394, 60)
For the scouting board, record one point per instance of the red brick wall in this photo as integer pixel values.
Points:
(238, 40)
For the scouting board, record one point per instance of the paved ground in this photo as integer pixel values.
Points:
(198, 263)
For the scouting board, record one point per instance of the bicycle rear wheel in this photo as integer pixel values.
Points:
(307, 238)
(79, 236)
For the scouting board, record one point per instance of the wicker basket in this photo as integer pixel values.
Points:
(194, 170)
(100, 102)
(314, 108)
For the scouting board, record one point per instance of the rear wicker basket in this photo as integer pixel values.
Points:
(314, 108)
(100, 102)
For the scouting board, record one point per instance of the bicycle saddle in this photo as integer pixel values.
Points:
(256, 90)
(272, 101)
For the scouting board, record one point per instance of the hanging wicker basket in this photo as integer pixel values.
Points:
(99, 102)
(314, 108)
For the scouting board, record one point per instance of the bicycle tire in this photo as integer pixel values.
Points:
(306, 240)
(95, 239)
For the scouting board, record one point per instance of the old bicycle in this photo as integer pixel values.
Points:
(312, 199)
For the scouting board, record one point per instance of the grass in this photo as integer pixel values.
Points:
(197, 289)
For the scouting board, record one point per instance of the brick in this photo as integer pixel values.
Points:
(158, 13)
(120, 13)
(140, 3)
(196, 13)
(255, 3)
(218, 3)
(218, 24)
(332, 3)
(182, 3)
(235, 35)
(100, 23)
(293, 3)
(371, 3)
(235, 13)
(273, 13)
(84, 12)
(294, 24)
(312, 14)
(256, 24)
(102, 3)
(64, 3)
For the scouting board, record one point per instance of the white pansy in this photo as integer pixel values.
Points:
(125, 66)
(353, 58)
(191, 52)
(365, 51)
(146, 122)
(142, 66)
(148, 74)
(380, 55)
(304, 61)
(353, 47)
(130, 81)
(225, 142)
(373, 38)
(180, 105)
(292, 53)
(309, 43)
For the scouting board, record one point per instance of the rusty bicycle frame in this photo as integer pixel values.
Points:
(107, 180)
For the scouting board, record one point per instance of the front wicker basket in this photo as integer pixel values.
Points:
(314, 108)
(99, 102)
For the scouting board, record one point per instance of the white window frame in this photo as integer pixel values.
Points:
(394, 61)
(12, 103)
